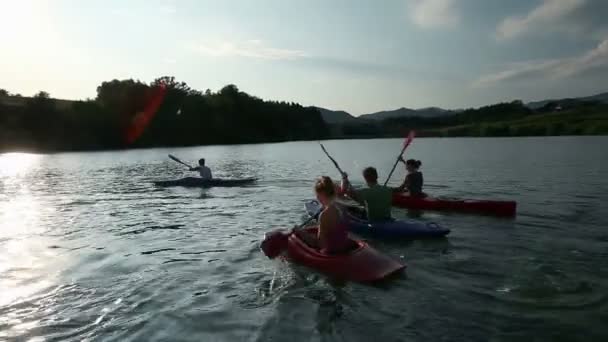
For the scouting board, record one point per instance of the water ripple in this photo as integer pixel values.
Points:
(91, 250)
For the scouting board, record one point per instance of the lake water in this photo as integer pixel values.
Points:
(91, 250)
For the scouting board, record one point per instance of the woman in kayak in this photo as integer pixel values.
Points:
(332, 235)
(204, 171)
(412, 185)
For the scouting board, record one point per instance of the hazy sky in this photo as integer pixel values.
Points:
(360, 56)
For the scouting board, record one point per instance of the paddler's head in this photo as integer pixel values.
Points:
(325, 190)
(201, 162)
(371, 175)
(412, 165)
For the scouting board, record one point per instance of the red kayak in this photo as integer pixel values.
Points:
(362, 263)
(498, 208)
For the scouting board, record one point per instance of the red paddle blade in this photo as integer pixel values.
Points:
(274, 243)
(409, 138)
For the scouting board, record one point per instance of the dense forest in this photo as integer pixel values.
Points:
(128, 113)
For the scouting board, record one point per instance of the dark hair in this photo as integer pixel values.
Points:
(326, 186)
(413, 162)
(370, 174)
(201, 161)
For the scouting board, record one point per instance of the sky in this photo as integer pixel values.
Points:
(361, 56)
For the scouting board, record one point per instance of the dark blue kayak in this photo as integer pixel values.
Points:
(204, 183)
(388, 229)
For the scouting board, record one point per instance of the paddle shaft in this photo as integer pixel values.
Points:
(409, 141)
(174, 158)
(332, 160)
(306, 222)
(276, 242)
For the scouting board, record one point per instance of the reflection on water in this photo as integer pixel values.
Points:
(25, 254)
(13, 164)
(91, 250)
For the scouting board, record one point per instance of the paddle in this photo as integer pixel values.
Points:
(275, 242)
(332, 160)
(407, 143)
(179, 161)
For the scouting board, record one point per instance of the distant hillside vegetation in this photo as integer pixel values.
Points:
(406, 112)
(165, 112)
(503, 119)
(603, 98)
(335, 116)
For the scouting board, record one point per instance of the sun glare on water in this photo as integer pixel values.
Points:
(13, 164)
(24, 251)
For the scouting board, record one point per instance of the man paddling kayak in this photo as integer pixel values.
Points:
(376, 198)
(204, 171)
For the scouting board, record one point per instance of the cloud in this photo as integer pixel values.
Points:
(249, 49)
(168, 9)
(377, 69)
(594, 59)
(122, 12)
(258, 49)
(549, 12)
(431, 14)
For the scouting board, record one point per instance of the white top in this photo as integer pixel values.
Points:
(205, 172)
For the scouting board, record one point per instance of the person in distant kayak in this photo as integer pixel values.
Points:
(204, 171)
(376, 198)
(412, 185)
(332, 235)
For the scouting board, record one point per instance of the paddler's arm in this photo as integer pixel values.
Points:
(405, 183)
(322, 232)
(349, 190)
(403, 187)
(195, 168)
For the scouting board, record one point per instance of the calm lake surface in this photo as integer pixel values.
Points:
(91, 250)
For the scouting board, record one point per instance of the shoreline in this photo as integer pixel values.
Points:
(49, 151)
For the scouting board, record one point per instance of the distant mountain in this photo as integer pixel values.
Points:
(603, 97)
(340, 116)
(429, 112)
(336, 116)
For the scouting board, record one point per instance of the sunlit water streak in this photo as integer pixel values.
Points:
(91, 250)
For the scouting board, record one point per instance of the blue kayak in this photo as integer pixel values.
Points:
(388, 229)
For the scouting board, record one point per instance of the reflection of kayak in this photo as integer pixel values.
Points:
(398, 229)
(498, 208)
(362, 263)
(389, 229)
(199, 182)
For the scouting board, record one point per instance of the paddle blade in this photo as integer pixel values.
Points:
(274, 243)
(175, 158)
(409, 138)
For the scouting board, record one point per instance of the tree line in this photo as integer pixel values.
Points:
(165, 112)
